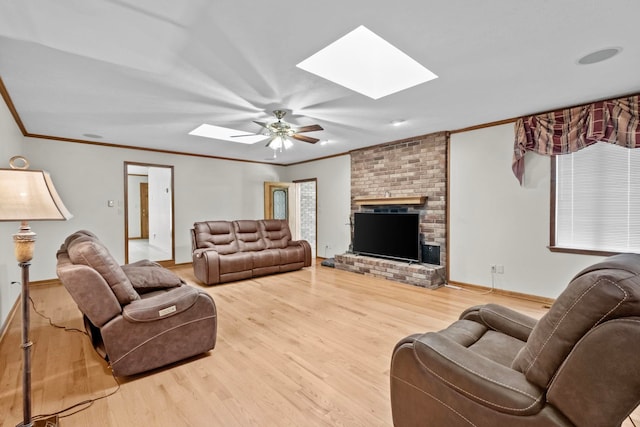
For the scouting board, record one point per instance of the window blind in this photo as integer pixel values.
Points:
(598, 199)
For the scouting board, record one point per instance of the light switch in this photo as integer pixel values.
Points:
(110, 203)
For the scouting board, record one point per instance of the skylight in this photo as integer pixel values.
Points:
(366, 63)
(226, 134)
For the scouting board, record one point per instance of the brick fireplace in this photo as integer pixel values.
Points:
(404, 172)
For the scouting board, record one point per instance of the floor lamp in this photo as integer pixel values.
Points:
(28, 195)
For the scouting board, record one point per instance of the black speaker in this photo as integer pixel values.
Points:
(431, 254)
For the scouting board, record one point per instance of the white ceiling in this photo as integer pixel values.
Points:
(146, 72)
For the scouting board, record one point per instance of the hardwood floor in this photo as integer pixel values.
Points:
(307, 348)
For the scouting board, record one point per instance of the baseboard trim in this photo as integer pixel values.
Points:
(47, 282)
(182, 264)
(535, 298)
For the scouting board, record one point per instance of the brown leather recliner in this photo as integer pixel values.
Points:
(140, 316)
(578, 365)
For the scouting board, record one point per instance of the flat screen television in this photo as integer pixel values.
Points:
(387, 235)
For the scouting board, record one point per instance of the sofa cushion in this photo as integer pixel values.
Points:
(291, 254)
(249, 236)
(275, 232)
(87, 250)
(266, 258)
(218, 235)
(234, 263)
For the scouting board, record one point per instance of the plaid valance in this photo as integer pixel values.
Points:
(616, 121)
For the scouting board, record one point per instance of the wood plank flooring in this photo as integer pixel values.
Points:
(307, 348)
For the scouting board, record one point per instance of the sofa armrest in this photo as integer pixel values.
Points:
(162, 305)
(206, 265)
(502, 319)
(307, 250)
(194, 243)
(137, 346)
(479, 379)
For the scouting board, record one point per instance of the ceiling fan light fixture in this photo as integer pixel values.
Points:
(283, 133)
(276, 143)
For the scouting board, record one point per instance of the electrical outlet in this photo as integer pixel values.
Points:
(497, 269)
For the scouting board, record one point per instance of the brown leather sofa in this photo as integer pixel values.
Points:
(579, 365)
(225, 251)
(140, 316)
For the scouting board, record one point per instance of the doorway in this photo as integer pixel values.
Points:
(297, 203)
(149, 227)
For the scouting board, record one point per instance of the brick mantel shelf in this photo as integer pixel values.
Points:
(377, 201)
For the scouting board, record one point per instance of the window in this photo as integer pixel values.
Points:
(280, 203)
(596, 200)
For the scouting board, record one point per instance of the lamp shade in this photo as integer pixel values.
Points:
(29, 195)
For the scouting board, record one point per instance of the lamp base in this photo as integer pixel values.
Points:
(45, 422)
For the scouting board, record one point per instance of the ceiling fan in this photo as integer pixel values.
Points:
(282, 132)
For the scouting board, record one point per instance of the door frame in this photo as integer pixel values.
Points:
(166, 263)
(293, 210)
(315, 180)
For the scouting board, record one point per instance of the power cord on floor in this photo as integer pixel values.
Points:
(62, 413)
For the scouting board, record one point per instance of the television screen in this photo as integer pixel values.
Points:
(388, 235)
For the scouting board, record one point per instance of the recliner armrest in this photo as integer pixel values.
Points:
(502, 319)
(478, 378)
(166, 304)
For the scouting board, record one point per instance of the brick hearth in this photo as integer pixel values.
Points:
(424, 275)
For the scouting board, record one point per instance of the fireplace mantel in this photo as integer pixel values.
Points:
(378, 201)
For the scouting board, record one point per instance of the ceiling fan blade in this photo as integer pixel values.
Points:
(246, 134)
(305, 138)
(310, 128)
(264, 125)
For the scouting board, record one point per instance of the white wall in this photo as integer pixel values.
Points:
(495, 221)
(334, 200)
(86, 176)
(10, 145)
